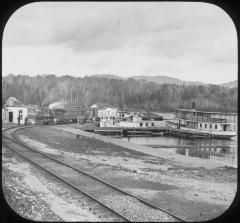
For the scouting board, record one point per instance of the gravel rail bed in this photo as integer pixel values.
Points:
(128, 206)
(102, 212)
(135, 210)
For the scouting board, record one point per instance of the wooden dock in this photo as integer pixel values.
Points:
(146, 131)
(157, 131)
(109, 131)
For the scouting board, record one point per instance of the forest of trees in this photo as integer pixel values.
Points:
(129, 93)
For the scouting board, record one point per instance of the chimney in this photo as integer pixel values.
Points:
(193, 106)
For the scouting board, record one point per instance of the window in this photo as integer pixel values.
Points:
(205, 126)
(140, 124)
(210, 126)
(152, 124)
(201, 125)
(215, 126)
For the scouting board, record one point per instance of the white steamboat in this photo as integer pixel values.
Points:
(200, 123)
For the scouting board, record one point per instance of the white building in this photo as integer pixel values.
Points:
(111, 117)
(107, 112)
(137, 118)
(107, 116)
(10, 114)
(123, 114)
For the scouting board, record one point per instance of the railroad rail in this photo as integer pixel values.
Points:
(116, 215)
(86, 180)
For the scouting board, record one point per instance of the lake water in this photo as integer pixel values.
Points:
(225, 150)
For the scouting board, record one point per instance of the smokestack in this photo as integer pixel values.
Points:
(193, 106)
(56, 104)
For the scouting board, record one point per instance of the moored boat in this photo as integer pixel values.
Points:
(204, 124)
(139, 133)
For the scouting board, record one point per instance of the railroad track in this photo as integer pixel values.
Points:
(125, 206)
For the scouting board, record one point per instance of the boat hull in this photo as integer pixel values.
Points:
(198, 133)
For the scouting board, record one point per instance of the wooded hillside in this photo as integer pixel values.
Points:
(128, 93)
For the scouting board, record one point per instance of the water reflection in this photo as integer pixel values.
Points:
(224, 150)
(206, 153)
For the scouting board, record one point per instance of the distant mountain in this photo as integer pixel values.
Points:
(163, 79)
(230, 84)
(156, 79)
(110, 76)
(166, 80)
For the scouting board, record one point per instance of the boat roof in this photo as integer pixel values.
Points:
(124, 112)
(191, 110)
(58, 109)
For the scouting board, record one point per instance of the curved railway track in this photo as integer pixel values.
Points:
(113, 199)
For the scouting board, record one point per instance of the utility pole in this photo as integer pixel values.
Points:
(61, 147)
(25, 99)
(65, 96)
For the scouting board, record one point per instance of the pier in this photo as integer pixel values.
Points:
(151, 131)
(128, 131)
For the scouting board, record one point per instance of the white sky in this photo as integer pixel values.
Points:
(189, 41)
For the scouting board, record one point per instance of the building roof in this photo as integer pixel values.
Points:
(124, 112)
(94, 106)
(20, 106)
(109, 106)
(193, 110)
(154, 115)
(58, 109)
(101, 105)
(12, 99)
(29, 106)
(15, 106)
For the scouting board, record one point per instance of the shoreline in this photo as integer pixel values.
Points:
(195, 162)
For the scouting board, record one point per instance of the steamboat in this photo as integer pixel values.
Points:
(217, 125)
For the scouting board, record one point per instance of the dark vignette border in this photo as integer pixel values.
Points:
(8, 7)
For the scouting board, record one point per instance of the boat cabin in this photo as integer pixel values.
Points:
(217, 121)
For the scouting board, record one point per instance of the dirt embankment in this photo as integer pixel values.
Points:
(188, 189)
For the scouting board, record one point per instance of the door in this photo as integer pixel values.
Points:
(10, 115)
(224, 127)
